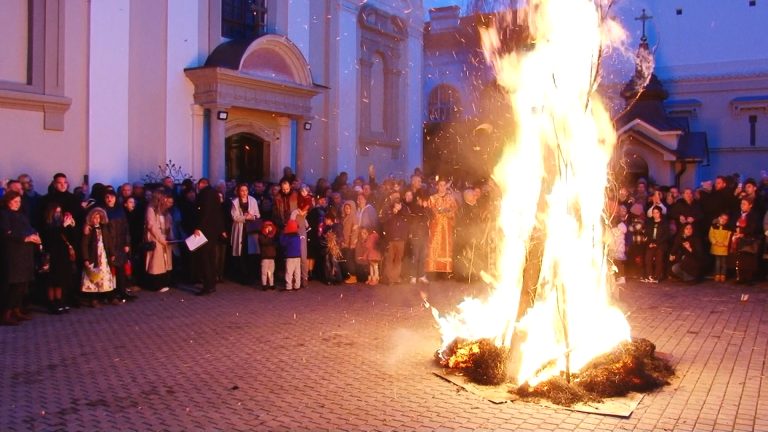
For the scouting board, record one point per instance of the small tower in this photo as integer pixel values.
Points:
(646, 133)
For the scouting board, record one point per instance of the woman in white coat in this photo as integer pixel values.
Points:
(246, 223)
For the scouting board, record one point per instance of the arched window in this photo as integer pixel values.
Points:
(444, 104)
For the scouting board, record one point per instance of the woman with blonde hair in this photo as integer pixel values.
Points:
(158, 231)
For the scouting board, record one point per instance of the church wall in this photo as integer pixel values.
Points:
(147, 81)
(392, 111)
(25, 145)
(345, 90)
(298, 18)
(182, 52)
(164, 39)
(108, 91)
(315, 145)
(414, 103)
(726, 32)
(728, 130)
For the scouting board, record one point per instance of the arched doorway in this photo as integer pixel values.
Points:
(247, 157)
(634, 167)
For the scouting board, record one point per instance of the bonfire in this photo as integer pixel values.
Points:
(549, 316)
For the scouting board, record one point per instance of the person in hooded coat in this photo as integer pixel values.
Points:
(98, 282)
(349, 237)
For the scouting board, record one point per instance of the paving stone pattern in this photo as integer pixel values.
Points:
(351, 358)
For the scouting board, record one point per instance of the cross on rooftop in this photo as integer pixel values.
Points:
(644, 17)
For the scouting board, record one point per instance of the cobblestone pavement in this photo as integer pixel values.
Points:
(351, 358)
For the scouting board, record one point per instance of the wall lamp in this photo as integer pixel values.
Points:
(222, 115)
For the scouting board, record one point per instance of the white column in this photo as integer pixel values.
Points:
(281, 149)
(108, 91)
(345, 89)
(413, 103)
(216, 156)
(182, 51)
(198, 140)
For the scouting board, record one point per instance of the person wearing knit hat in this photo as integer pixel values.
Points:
(98, 253)
(291, 246)
(268, 248)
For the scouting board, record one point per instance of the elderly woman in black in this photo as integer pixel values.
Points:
(19, 241)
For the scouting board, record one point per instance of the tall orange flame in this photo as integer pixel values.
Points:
(552, 177)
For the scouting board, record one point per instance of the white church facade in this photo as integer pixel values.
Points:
(108, 90)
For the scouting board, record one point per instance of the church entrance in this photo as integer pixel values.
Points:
(633, 168)
(247, 157)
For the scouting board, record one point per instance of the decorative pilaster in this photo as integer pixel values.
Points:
(216, 157)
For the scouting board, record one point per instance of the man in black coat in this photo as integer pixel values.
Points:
(210, 223)
(688, 211)
(59, 195)
(718, 201)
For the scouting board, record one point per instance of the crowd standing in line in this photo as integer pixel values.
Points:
(89, 246)
(717, 230)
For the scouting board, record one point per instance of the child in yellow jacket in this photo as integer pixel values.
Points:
(720, 237)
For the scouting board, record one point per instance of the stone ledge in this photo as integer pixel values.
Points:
(54, 107)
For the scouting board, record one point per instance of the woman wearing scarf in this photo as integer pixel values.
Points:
(246, 224)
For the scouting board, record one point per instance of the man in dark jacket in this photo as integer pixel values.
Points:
(59, 195)
(718, 201)
(688, 211)
(210, 223)
(58, 192)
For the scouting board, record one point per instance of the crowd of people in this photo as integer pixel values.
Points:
(717, 230)
(93, 245)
